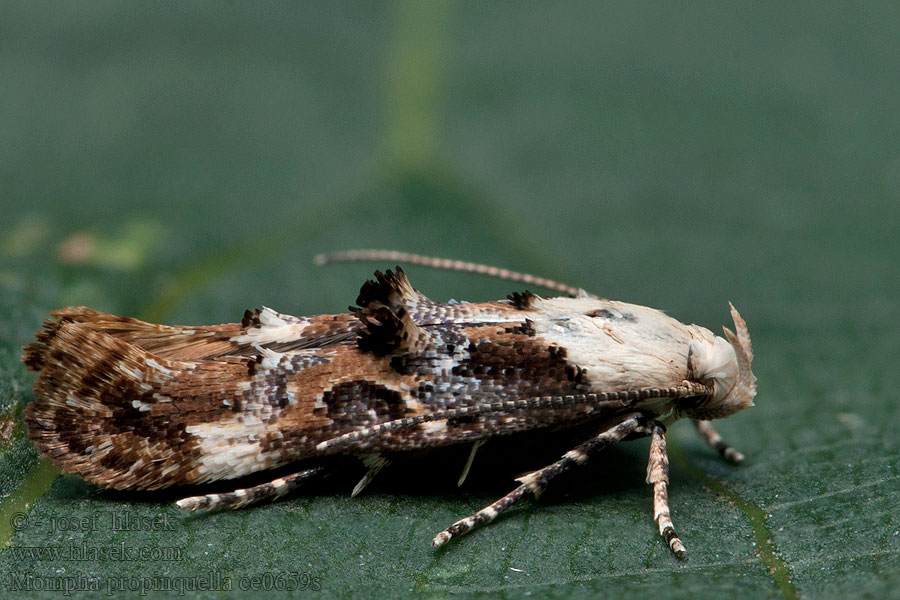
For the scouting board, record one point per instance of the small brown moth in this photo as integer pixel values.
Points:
(132, 405)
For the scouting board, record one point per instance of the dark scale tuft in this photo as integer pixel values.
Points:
(558, 352)
(253, 365)
(383, 331)
(524, 300)
(389, 288)
(250, 319)
(526, 328)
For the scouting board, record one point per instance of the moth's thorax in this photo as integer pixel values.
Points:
(620, 345)
(627, 346)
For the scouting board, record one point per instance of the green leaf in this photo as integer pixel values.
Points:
(185, 163)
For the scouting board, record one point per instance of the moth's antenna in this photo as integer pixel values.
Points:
(447, 264)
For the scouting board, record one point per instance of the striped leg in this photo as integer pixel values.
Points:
(245, 497)
(537, 481)
(658, 477)
(713, 438)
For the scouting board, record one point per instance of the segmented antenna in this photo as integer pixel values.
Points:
(449, 265)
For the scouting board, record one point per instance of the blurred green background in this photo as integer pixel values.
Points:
(184, 161)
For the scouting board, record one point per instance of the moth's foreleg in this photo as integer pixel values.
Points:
(536, 482)
(712, 437)
(658, 477)
(269, 491)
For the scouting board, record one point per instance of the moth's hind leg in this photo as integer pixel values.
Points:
(536, 482)
(268, 491)
(712, 437)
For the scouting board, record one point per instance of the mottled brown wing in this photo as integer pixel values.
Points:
(261, 328)
(129, 404)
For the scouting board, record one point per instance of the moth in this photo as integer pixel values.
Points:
(132, 405)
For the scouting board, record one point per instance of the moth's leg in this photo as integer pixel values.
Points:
(658, 477)
(375, 462)
(715, 440)
(465, 472)
(537, 481)
(244, 497)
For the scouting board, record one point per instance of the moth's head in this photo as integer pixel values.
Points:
(724, 366)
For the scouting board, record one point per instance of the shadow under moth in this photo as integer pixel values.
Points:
(131, 405)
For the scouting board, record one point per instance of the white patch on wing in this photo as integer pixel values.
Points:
(155, 365)
(273, 327)
(231, 447)
(270, 359)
